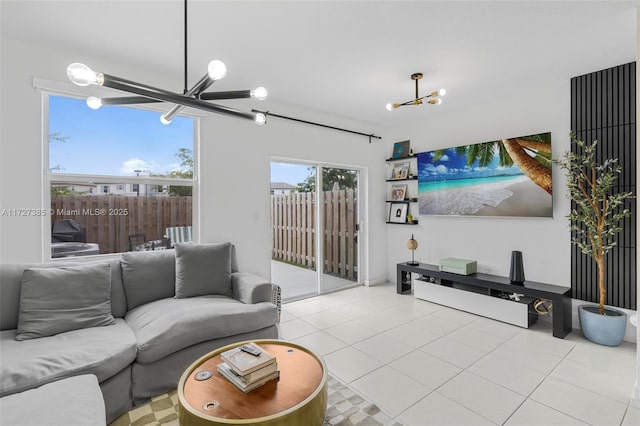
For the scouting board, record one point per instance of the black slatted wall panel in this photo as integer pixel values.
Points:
(603, 107)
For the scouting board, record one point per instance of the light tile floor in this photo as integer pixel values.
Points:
(425, 364)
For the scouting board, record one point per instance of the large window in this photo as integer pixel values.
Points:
(118, 179)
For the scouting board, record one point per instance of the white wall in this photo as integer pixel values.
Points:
(234, 161)
(544, 242)
(240, 212)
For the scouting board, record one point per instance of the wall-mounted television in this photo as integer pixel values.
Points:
(504, 177)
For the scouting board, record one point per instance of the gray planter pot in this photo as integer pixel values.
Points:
(607, 329)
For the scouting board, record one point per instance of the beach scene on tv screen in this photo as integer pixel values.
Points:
(505, 177)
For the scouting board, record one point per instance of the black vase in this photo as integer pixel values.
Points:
(516, 275)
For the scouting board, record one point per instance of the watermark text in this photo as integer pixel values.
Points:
(63, 212)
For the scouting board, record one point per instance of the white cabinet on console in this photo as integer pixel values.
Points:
(437, 293)
(509, 311)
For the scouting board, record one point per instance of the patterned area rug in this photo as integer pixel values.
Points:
(344, 408)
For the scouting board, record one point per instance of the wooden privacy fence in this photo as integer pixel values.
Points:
(110, 219)
(294, 230)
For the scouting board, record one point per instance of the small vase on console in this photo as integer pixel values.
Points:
(516, 274)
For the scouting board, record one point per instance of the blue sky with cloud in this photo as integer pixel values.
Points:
(114, 140)
(452, 166)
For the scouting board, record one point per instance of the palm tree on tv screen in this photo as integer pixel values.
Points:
(532, 154)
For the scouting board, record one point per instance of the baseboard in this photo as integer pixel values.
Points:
(377, 281)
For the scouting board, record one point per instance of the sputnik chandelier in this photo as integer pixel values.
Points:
(432, 98)
(82, 75)
(195, 97)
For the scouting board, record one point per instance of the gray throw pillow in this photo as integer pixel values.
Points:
(148, 276)
(203, 269)
(55, 300)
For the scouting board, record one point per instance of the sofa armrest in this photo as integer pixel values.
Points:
(250, 288)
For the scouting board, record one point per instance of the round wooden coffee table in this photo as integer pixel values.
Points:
(298, 397)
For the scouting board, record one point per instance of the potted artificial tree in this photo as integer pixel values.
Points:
(594, 222)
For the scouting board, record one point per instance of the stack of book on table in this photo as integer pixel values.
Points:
(248, 366)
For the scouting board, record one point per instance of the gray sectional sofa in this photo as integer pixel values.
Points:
(165, 309)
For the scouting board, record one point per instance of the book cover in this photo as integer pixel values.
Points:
(226, 371)
(245, 363)
(258, 374)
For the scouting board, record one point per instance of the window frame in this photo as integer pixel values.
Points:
(51, 88)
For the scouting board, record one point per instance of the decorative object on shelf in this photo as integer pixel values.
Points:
(503, 177)
(398, 192)
(515, 296)
(412, 245)
(398, 212)
(195, 97)
(594, 220)
(399, 185)
(516, 273)
(543, 306)
(401, 149)
(400, 170)
(432, 98)
(458, 266)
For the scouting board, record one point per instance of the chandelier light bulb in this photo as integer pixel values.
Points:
(217, 69)
(93, 102)
(81, 75)
(260, 119)
(442, 92)
(260, 93)
(389, 106)
(436, 101)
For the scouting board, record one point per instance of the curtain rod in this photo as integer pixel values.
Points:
(267, 113)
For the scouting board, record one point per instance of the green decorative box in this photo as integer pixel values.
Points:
(458, 266)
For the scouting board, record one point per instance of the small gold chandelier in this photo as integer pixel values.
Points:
(432, 98)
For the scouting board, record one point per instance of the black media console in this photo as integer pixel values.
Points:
(488, 285)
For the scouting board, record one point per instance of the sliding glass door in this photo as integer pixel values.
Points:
(339, 198)
(293, 229)
(314, 228)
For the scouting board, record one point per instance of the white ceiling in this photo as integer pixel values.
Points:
(346, 57)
